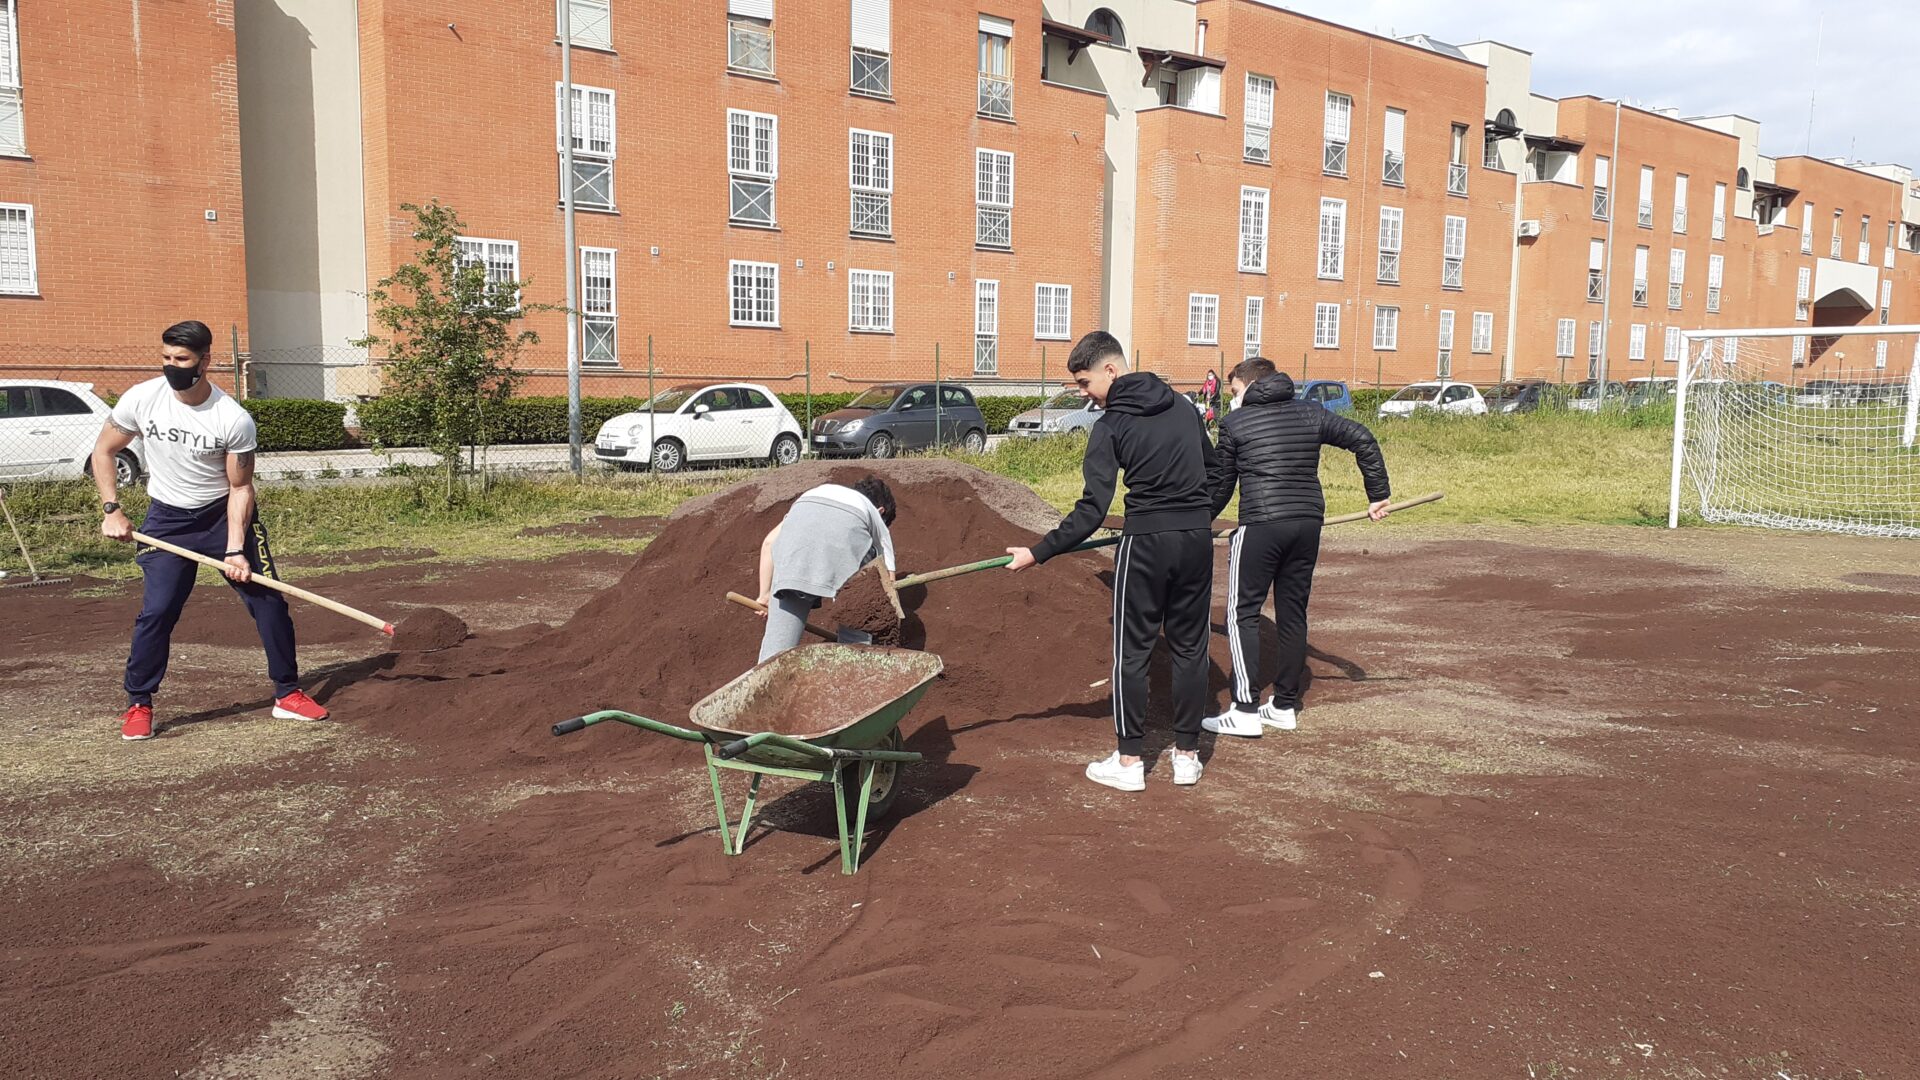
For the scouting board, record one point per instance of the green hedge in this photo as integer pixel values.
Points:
(1366, 403)
(299, 423)
(1000, 411)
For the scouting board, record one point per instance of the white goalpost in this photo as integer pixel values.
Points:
(1804, 427)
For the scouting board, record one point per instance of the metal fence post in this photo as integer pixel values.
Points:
(808, 347)
(239, 377)
(939, 436)
(649, 390)
(1044, 395)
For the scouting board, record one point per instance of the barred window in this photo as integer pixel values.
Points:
(756, 294)
(1203, 319)
(599, 314)
(753, 162)
(1053, 312)
(1326, 326)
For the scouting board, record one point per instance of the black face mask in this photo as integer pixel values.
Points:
(181, 379)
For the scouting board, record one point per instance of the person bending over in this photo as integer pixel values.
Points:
(828, 535)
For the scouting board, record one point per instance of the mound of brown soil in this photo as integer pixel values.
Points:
(429, 629)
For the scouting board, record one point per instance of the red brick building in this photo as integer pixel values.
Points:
(120, 202)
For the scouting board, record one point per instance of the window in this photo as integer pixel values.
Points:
(1253, 230)
(1596, 270)
(1392, 221)
(1602, 193)
(1593, 343)
(1719, 211)
(1892, 240)
(986, 327)
(753, 160)
(1803, 295)
(1257, 136)
(1393, 164)
(870, 169)
(599, 315)
(993, 199)
(1640, 255)
(13, 132)
(1103, 21)
(1339, 127)
(1716, 273)
(1799, 352)
(1741, 180)
(1880, 354)
(1203, 319)
(870, 301)
(19, 271)
(1680, 203)
(1886, 301)
(1326, 326)
(591, 22)
(1457, 161)
(996, 79)
(500, 258)
(750, 36)
(1453, 253)
(1865, 250)
(1837, 215)
(1646, 197)
(1806, 228)
(1386, 328)
(1256, 311)
(1674, 346)
(593, 146)
(1563, 338)
(1490, 149)
(756, 294)
(1676, 277)
(1637, 341)
(1333, 238)
(1053, 312)
(873, 48)
(1445, 367)
(1483, 331)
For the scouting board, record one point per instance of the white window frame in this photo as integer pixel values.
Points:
(1838, 244)
(1676, 277)
(1799, 351)
(13, 121)
(1716, 280)
(1257, 122)
(1457, 160)
(1386, 328)
(993, 200)
(596, 16)
(1886, 301)
(1803, 295)
(1672, 345)
(986, 327)
(1720, 211)
(1444, 339)
(870, 178)
(764, 275)
(746, 173)
(16, 220)
(1865, 250)
(1596, 270)
(866, 311)
(995, 99)
(1880, 353)
(599, 321)
(749, 33)
(501, 258)
(1593, 341)
(1052, 312)
(1326, 326)
(1333, 239)
(1337, 132)
(1393, 222)
(1680, 203)
(1642, 254)
(1256, 313)
(596, 126)
(1253, 230)
(1806, 228)
(1453, 253)
(1637, 341)
(870, 64)
(1482, 332)
(1393, 155)
(1203, 319)
(1564, 331)
(1602, 187)
(1647, 180)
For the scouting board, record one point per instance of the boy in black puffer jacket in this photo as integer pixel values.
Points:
(1270, 446)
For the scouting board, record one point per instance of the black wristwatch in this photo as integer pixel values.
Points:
(110, 508)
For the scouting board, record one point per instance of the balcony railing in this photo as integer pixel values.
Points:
(1335, 160)
(1602, 203)
(996, 96)
(1719, 226)
(872, 73)
(993, 227)
(1639, 294)
(1259, 144)
(1646, 215)
(1674, 295)
(592, 184)
(1451, 273)
(750, 48)
(1596, 286)
(750, 202)
(872, 213)
(1393, 169)
(1253, 254)
(1457, 178)
(1389, 268)
(1679, 219)
(598, 342)
(986, 355)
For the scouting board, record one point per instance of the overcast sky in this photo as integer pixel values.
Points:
(1703, 57)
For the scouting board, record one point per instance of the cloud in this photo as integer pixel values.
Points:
(1701, 57)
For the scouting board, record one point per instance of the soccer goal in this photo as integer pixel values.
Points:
(1800, 428)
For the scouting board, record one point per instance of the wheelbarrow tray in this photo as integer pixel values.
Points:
(837, 697)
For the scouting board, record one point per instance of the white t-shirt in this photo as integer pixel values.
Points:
(185, 446)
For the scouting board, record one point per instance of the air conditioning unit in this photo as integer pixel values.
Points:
(1529, 228)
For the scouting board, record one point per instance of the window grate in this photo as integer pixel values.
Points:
(996, 96)
(750, 48)
(1456, 179)
(872, 73)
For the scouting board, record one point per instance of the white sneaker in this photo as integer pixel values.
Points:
(1110, 772)
(1187, 768)
(1280, 719)
(1234, 721)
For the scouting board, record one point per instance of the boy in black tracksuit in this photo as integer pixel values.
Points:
(1163, 570)
(1270, 445)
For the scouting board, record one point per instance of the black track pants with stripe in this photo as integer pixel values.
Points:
(1161, 581)
(1277, 556)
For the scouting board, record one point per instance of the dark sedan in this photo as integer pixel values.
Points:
(886, 420)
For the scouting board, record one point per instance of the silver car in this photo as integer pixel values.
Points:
(1068, 410)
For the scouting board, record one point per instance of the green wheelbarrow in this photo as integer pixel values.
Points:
(817, 712)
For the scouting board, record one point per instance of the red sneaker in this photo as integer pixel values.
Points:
(137, 723)
(298, 706)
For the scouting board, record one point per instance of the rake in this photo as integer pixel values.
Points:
(24, 553)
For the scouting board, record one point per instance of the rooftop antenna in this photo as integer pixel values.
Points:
(1813, 95)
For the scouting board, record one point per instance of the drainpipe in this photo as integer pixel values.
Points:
(1606, 283)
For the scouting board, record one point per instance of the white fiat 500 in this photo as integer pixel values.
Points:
(47, 431)
(701, 422)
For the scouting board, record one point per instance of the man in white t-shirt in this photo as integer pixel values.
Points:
(199, 447)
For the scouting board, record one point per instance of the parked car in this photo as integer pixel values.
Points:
(701, 422)
(48, 428)
(1817, 394)
(1068, 410)
(1450, 397)
(885, 420)
(1331, 394)
(1648, 389)
(1521, 395)
(1590, 396)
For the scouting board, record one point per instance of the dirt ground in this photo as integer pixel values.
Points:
(1564, 803)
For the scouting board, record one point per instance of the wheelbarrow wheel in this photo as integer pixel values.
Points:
(886, 784)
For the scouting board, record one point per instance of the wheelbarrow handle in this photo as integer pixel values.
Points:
(568, 727)
(734, 749)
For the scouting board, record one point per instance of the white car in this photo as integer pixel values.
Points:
(701, 422)
(1450, 397)
(47, 431)
(1068, 410)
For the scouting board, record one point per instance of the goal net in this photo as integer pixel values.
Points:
(1800, 428)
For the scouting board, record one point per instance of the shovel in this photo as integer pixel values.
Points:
(846, 635)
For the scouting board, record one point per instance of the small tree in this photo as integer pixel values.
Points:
(449, 338)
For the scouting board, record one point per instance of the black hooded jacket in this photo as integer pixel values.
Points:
(1159, 440)
(1270, 446)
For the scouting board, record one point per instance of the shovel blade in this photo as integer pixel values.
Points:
(847, 635)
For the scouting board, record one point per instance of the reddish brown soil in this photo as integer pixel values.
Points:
(863, 605)
(813, 702)
(1549, 812)
(428, 630)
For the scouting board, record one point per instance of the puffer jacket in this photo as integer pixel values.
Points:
(1270, 447)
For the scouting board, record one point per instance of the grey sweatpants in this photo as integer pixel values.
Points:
(786, 622)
